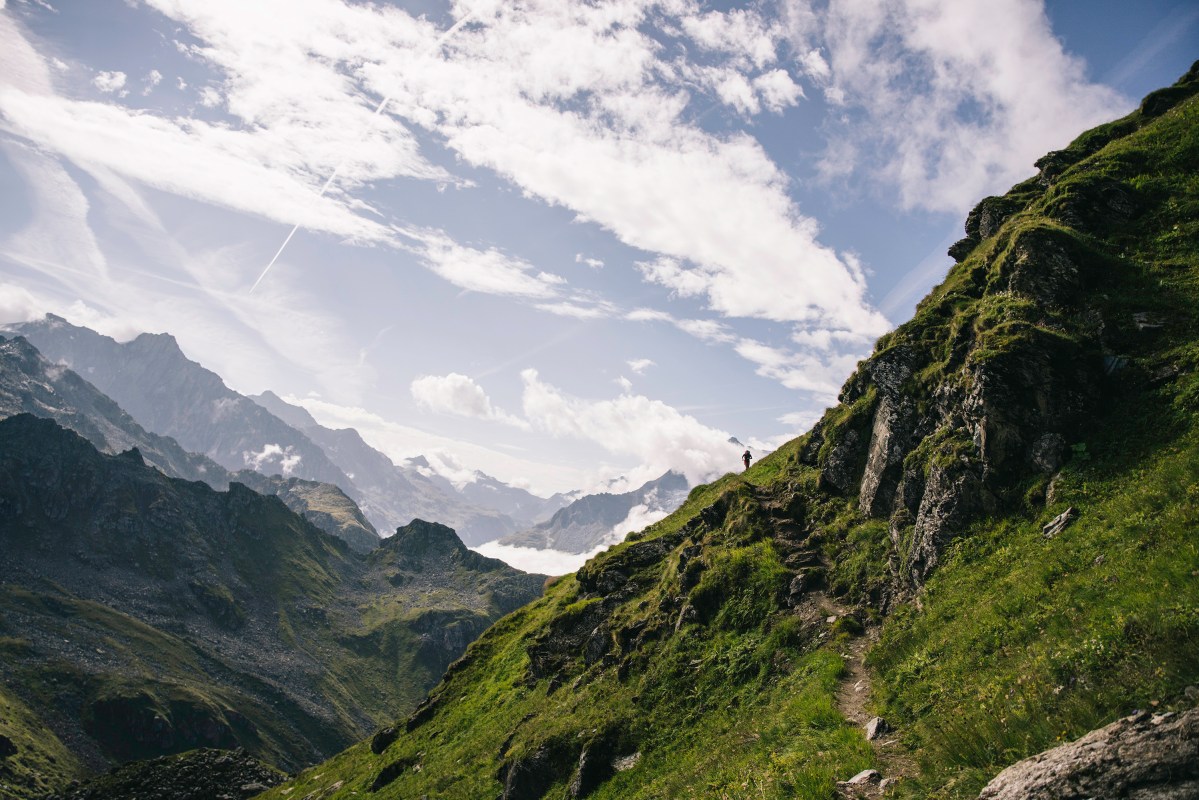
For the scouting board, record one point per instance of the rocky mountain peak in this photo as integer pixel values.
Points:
(419, 539)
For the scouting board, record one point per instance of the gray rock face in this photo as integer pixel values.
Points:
(951, 496)
(890, 442)
(1012, 392)
(840, 471)
(1059, 523)
(1141, 757)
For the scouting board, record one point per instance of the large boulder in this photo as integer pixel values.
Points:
(1141, 757)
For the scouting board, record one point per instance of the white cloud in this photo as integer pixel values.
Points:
(805, 370)
(639, 518)
(658, 436)
(537, 561)
(489, 271)
(594, 263)
(458, 394)
(640, 365)
(109, 82)
(716, 208)
(151, 81)
(18, 304)
(813, 64)
(20, 64)
(777, 90)
(740, 33)
(210, 97)
(193, 159)
(58, 238)
(286, 457)
(579, 310)
(953, 100)
(708, 330)
(801, 421)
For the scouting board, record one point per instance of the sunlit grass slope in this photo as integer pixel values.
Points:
(698, 659)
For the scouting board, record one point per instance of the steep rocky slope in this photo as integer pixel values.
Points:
(142, 615)
(29, 383)
(1004, 500)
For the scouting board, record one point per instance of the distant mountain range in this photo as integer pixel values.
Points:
(29, 383)
(593, 520)
(172, 396)
(162, 389)
(142, 614)
(482, 510)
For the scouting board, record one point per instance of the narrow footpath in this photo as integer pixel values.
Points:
(853, 697)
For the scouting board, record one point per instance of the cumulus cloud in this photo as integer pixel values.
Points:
(594, 263)
(151, 81)
(109, 82)
(458, 394)
(285, 457)
(640, 365)
(658, 436)
(18, 304)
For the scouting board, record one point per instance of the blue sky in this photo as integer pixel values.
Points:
(564, 241)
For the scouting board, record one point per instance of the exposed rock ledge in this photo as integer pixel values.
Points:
(1141, 757)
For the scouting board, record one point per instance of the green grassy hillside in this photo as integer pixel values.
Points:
(708, 656)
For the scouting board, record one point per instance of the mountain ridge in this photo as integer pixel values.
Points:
(155, 382)
(30, 383)
(142, 614)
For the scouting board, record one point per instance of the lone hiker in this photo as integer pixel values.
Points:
(746, 458)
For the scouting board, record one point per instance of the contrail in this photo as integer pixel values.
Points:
(378, 110)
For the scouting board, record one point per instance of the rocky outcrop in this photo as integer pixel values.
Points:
(197, 775)
(983, 222)
(893, 432)
(991, 383)
(1141, 757)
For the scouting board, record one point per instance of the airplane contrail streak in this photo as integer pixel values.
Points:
(378, 110)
